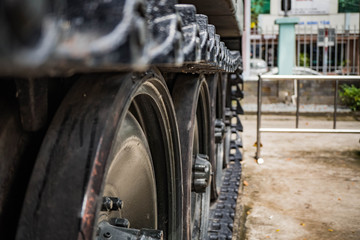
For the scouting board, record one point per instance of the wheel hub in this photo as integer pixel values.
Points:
(202, 171)
(219, 130)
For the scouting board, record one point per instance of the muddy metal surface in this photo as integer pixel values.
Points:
(307, 188)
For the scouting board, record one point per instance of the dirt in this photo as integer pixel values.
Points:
(308, 186)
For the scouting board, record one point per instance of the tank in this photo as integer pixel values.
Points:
(119, 118)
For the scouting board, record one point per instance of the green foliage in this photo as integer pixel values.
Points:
(349, 6)
(343, 63)
(350, 96)
(259, 7)
(304, 59)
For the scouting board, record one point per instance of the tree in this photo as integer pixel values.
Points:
(349, 6)
(258, 7)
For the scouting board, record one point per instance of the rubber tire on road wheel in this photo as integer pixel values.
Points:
(66, 188)
(217, 109)
(192, 105)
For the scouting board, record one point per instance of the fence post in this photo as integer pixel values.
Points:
(297, 102)
(258, 122)
(335, 101)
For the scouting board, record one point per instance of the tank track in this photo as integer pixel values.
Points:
(222, 212)
(129, 35)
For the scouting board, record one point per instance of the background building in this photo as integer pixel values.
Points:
(327, 36)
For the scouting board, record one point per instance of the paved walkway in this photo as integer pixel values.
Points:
(307, 188)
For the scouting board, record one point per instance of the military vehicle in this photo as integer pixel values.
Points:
(118, 118)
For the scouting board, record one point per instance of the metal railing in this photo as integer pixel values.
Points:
(341, 56)
(296, 79)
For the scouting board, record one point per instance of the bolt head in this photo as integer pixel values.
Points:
(107, 204)
(107, 235)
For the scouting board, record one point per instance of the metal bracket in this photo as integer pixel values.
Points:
(108, 231)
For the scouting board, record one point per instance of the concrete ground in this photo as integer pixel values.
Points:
(307, 188)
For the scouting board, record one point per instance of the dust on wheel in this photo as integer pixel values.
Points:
(89, 180)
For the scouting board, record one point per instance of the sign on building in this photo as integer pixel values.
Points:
(309, 7)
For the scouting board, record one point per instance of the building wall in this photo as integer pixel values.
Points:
(329, 17)
(340, 56)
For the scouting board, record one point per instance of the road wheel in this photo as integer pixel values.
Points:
(217, 130)
(110, 157)
(227, 118)
(192, 105)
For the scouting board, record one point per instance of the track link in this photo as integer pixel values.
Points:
(222, 212)
(137, 35)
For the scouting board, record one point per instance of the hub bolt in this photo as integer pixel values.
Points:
(111, 204)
